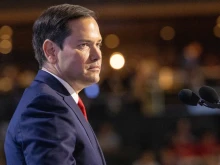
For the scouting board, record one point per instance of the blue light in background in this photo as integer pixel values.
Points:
(92, 91)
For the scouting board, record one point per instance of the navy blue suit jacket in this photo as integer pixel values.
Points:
(48, 128)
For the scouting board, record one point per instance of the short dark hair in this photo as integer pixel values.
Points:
(53, 25)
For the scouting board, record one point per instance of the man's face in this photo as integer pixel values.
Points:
(79, 62)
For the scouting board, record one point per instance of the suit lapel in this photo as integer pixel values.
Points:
(99, 148)
(51, 81)
(71, 103)
(88, 129)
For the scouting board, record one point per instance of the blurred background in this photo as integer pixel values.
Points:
(151, 50)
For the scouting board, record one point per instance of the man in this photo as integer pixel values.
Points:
(48, 127)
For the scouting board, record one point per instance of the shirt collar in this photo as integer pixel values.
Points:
(66, 85)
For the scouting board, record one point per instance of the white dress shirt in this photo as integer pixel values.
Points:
(66, 85)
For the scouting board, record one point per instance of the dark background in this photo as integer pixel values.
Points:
(134, 118)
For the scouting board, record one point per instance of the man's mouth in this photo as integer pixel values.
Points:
(94, 68)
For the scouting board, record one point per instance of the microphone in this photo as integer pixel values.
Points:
(209, 94)
(190, 98)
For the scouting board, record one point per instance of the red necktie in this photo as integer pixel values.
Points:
(82, 107)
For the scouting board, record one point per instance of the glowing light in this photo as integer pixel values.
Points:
(167, 33)
(166, 78)
(117, 61)
(10, 71)
(6, 84)
(218, 20)
(92, 91)
(112, 41)
(192, 51)
(216, 31)
(6, 32)
(25, 78)
(5, 46)
(5, 37)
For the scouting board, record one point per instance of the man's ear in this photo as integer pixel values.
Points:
(50, 51)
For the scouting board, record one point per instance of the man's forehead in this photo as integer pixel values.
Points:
(83, 22)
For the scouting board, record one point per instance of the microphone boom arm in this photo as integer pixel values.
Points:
(208, 104)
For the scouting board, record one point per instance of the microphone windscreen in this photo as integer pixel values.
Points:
(188, 97)
(208, 94)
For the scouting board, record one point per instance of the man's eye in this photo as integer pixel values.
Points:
(99, 45)
(84, 46)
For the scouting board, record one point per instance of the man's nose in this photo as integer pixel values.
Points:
(95, 54)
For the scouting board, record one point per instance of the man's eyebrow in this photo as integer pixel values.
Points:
(100, 40)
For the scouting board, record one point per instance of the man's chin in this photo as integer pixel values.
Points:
(92, 81)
